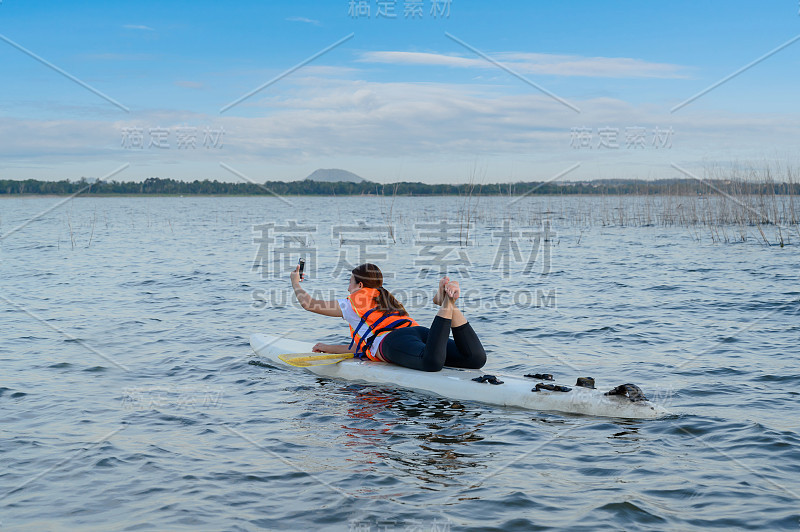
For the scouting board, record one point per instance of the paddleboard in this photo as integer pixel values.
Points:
(458, 384)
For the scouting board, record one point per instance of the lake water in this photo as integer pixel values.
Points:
(131, 400)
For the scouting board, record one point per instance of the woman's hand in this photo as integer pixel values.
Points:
(327, 348)
(326, 308)
(295, 276)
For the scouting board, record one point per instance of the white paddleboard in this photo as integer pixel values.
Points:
(457, 384)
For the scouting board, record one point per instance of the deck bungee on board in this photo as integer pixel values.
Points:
(467, 384)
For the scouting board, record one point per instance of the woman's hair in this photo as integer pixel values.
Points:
(371, 277)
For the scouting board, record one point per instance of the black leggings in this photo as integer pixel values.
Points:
(427, 349)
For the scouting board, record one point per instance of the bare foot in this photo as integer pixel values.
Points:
(438, 299)
(452, 290)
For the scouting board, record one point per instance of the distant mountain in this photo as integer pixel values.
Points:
(334, 175)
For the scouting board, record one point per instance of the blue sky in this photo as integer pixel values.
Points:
(400, 99)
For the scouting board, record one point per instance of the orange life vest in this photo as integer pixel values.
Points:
(374, 323)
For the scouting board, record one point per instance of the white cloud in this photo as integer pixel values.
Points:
(137, 27)
(428, 126)
(530, 63)
(304, 20)
(436, 122)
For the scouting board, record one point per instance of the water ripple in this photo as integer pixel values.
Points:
(215, 438)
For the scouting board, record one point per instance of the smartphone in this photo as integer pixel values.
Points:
(302, 265)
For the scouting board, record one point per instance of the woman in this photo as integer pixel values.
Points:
(382, 329)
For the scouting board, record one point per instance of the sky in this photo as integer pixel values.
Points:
(408, 90)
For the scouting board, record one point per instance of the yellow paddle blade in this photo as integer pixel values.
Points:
(304, 360)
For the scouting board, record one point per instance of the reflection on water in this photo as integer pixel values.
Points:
(438, 426)
(631, 432)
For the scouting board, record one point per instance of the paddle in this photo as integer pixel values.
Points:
(304, 360)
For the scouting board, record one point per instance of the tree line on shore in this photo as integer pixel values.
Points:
(160, 186)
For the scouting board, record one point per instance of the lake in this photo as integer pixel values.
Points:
(131, 399)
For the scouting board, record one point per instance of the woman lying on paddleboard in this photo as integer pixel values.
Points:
(382, 329)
